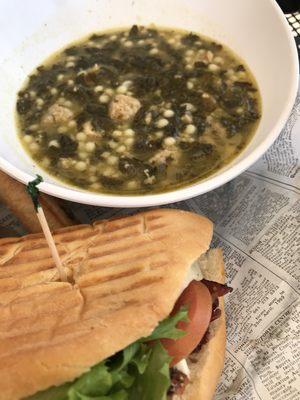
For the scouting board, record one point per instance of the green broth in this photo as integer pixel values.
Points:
(138, 110)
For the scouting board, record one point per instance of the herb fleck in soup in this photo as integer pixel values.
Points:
(138, 110)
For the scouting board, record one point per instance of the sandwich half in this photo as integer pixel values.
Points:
(111, 332)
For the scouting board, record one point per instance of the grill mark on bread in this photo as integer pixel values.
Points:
(38, 340)
(7, 284)
(144, 224)
(93, 278)
(75, 238)
(109, 307)
(155, 262)
(35, 294)
(68, 324)
(73, 228)
(100, 291)
(34, 265)
(94, 253)
(161, 238)
(95, 262)
(33, 246)
(158, 264)
(153, 217)
(64, 334)
(119, 224)
(35, 255)
(155, 227)
(36, 278)
(27, 325)
(8, 242)
(26, 268)
(112, 304)
(107, 238)
(22, 247)
(35, 268)
(135, 285)
(8, 251)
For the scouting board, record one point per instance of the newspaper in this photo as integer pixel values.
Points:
(257, 221)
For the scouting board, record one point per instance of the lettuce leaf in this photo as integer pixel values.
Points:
(166, 329)
(139, 372)
(154, 383)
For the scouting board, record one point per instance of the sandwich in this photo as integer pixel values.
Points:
(141, 316)
(14, 197)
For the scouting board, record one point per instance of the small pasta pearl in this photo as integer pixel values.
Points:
(80, 166)
(129, 141)
(62, 129)
(161, 123)
(169, 113)
(116, 134)
(121, 149)
(109, 91)
(90, 146)
(112, 160)
(132, 185)
(169, 141)
(98, 89)
(39, 101)
(121, 89)
(34, 147)
(53, 143)
(104, 98)
(105, 155)
(153, 51)
(95, 186)
(72, 124)
(128, 43)
(28, 139)
(112, 144)
(213, 67)
(83, 155)
(190, 129)
(129, 132)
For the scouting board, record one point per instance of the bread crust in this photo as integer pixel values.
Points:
(14, 196)
(207, 365)
(128, 274)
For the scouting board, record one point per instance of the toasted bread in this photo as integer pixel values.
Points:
(14, 196)
(126, 274)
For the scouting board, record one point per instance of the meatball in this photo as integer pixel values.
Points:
(123, 107)
(57, 115)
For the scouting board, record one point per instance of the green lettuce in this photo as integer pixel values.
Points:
(139, 372)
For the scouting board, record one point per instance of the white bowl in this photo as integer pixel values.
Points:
(255, 29)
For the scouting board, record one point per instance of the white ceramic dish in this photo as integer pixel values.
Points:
(254, 29)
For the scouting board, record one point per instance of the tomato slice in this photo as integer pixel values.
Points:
(199, 302)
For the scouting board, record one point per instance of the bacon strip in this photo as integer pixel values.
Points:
(178, 382)
(216, 289)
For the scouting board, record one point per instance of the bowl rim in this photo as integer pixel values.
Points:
(196, 189)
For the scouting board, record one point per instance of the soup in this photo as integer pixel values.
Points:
(138, 110)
